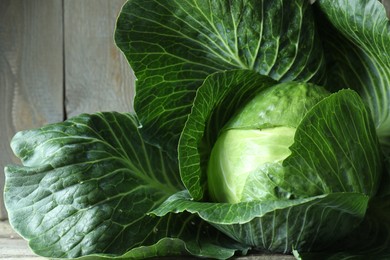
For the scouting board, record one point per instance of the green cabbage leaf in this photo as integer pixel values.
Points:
(86, 186)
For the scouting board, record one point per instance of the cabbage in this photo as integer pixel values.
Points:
(256, 141)
(314, 194)
(260, 126)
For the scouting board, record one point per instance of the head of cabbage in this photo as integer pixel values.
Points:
(277, 166)
(246, 162)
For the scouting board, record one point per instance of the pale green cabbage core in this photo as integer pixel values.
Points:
(240, 153)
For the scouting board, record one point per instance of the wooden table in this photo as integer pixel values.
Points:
(12, 246)
(57, 60)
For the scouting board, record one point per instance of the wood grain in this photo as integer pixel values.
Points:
(33, 77)
(97, 76)
(386, 4)
(31, 70)
(12, 246)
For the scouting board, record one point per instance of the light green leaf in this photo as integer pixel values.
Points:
(86, 187)
(246, 160)
(173, 45)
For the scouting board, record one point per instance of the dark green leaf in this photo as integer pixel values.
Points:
(335, 149)
(278, 226)
(369, 241)
(86, 187)
(173, 45)
(356, 38)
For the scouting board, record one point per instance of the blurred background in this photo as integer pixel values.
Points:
(57, 59)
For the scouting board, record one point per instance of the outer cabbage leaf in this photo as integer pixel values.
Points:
(356, 38)
(86, 187)
(336, 149)
(278, 226)
(369, 241)
(173, 45)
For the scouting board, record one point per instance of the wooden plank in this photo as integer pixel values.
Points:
(12, 246)
(31, 70)
(386, 3)
(97, 76)
(7, 232)
(16, 249)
